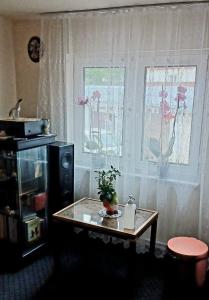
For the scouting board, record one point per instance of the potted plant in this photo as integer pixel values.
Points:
(107, 194)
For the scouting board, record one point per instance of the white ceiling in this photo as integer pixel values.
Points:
(18, 7)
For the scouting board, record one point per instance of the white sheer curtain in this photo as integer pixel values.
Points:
(52, 102)
(129, 89)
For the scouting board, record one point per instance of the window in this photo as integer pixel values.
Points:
(103, 109)
(144, 110)
(168, 109)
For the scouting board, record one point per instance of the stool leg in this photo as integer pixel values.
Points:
(200, 271)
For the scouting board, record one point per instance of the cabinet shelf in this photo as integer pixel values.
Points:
(4, 179)
(29, 191)
(32, 250)
(3, 212)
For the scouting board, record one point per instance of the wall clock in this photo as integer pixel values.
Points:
(34, 49)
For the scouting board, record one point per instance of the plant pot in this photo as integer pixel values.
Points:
(111, 208)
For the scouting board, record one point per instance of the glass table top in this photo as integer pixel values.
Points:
(85, 214)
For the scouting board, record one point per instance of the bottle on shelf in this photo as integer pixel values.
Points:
(129, 213)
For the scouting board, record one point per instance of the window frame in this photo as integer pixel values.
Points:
(80, 64)
(199, 60)
(177, 66)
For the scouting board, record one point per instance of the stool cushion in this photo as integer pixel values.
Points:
(188, 246)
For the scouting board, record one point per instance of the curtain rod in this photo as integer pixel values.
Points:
(126, 7)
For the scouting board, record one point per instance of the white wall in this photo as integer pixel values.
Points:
(27, 72)
(7, 68)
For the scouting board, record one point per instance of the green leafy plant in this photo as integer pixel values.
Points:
(106, 181)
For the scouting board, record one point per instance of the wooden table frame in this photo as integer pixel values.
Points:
(62, 217)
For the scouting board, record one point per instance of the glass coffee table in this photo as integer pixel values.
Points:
(85, 214)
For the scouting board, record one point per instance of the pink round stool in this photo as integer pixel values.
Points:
(191, 248)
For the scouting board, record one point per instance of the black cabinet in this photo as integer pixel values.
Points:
(24, 194)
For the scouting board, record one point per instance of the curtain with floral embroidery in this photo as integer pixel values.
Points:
(135, 85)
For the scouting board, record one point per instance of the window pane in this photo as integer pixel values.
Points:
(169, 96)
(104, 94)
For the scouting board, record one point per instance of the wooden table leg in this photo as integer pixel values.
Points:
(60, 237)
(132, 263)
(153, 237)
(55, 244)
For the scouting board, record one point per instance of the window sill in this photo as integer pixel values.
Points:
(149, 177)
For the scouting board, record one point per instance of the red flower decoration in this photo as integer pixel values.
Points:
(96, 94)
(165, 110)
(81, 100)
(165, 107)
(182, 89)
(168, 116)
(180, 97)
(163, 94)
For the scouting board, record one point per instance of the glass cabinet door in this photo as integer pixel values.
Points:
(32, 181)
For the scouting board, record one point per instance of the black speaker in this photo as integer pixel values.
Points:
(60, 175)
